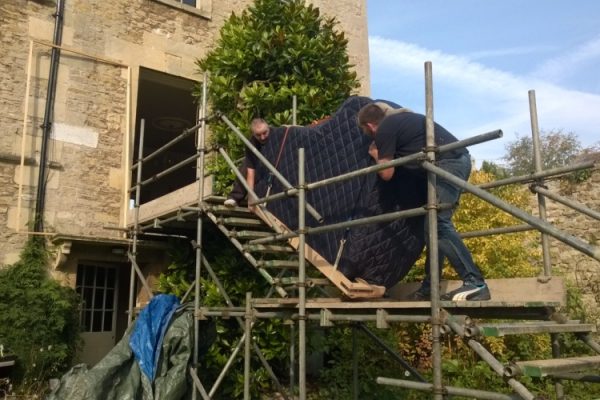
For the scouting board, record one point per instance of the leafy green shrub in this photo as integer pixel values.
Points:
(336, 378)
(237, 277)
(39, 319)
(270, 52)
(506, 256)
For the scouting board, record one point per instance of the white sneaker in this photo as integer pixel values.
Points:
(230, 203)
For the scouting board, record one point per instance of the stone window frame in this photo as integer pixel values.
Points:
(203, 8)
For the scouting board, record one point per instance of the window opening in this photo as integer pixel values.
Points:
(96, 287)
(168, 107)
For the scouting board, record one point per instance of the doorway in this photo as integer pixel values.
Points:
(97, 287)
(168, 107)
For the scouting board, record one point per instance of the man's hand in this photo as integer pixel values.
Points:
(373, 152)
(251, 199)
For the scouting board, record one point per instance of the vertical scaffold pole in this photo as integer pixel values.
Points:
(136, 222)
(537, 160)
(432, 248)
(247, 345)
(301, 278)
(294, 109)
(200, 178)
(292, 323)
(354, 363)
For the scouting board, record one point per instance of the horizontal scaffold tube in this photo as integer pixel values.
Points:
(537, 175)
(543, 226)
(456, 391)
(489, 358)
(176, 140)
(204, 312)
(378, 167)
(167, 171)
(413, 212)
(496, 231)
(567, 202)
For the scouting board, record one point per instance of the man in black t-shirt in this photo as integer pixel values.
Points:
(260, 133)
(401, 133)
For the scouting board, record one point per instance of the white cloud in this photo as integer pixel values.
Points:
(567, 64)
(472, 98)
(510, 51)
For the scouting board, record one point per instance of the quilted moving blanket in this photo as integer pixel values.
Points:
(382, 253)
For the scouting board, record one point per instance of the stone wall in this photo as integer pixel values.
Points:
(579, 268)
(91, 144)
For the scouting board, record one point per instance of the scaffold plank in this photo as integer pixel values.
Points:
(530, 292)
(542, 368)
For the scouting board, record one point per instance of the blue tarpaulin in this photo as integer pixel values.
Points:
(149, 330)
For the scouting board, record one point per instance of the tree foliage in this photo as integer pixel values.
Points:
(497, 171)
(506, 256)
(39, 319)
(557, 149)
(270, 52)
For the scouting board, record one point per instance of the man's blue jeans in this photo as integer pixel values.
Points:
(450, 244)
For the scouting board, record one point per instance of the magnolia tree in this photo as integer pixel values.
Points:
(267, 54)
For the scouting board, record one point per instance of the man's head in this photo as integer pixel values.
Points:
(369, 118)
(260, 129)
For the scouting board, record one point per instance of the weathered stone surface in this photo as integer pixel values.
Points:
(88, 192)
(579, 268)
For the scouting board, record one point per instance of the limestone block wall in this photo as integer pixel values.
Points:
(90, 147)
(577, 267)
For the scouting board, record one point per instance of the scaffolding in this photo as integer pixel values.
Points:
(443, 316)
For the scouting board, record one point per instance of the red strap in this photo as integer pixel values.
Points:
(281, 147)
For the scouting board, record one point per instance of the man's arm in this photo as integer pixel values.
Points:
(385, 174)
(250, 177)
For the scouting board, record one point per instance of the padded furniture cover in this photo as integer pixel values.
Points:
(382, 253)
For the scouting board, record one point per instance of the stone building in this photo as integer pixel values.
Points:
(120, 61)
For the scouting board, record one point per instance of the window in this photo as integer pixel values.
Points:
(96, 287)
(166, 103)
(202, 8)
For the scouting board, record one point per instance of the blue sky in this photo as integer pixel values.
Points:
(486, 56)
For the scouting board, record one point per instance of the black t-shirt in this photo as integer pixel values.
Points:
(402, 134)
(251, 160)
